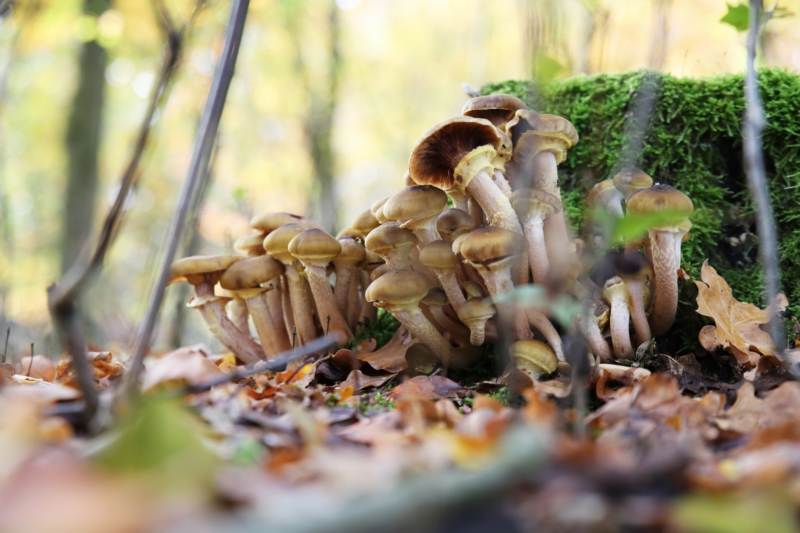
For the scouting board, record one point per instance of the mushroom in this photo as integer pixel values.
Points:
(605, 197)
(492, 251)
(539, 320)
(364, 223)
(393, 244)
(496, 108)
(533, 357)
(203, 272)
(417, 208)
(475, 313)
(436, 300)
(636, 271)
(615, 293)
(590, 326)
(452, 223)
(534, 206)
(665, 247)
(269, 222)
(316, 249)
(631, 180)
(346, 265)
(245, 278)
(251, 245)
(399, 292)
(439, 257)
(301, 302)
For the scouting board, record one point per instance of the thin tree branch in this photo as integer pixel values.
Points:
(754, 123)
(204, 142)
(63, 295)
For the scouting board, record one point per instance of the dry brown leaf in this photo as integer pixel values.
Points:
(359, 381)
(392, 356)
(737, 323)
(750, 412)
(187, 366)
(431, 388)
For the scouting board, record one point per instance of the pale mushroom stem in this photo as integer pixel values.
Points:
(457, 331)
(502, 183)
(459, 199)
(237, 312)
(326, 306)
(638, 314)
(498, 284)
(369, 313)
(555, 227)
(477, 332)
(420, 327)
(594, 337)
(353, 301)
(301, 306)
(451, 287)
(539, 320)
(341, 290)
(666, 254)
(288, 312)
(537, 250)
(426, 233)
(620, 328)
(274, 298)
(265, 326)
(228, 334)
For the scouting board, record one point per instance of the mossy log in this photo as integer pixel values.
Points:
(689, 136)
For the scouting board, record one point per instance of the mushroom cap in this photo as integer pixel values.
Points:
(441, 149)
(661, 198)
(198, 268)
(277, 242)
(268, 222)
(350, 233)
(489, 245)
(615, 288)
(505, 150)
(534, 199)
(630, 180)
(475, 310)
(436, 297)
(250, 273)
(377, 204)
(603, 193)
(408, 179)
(378, 271)
(252, 244)
(534, 357)
(352, 253)
(365, 222)
(496, 108)
(371, 261)
(453, 223)
(387, 238)
(438, 255)
(473, 289)
(315, 246)
(533, 133)
(398, 287)
(415, 203)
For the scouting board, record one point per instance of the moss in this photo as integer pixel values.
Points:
(381, 330)
(692, 141)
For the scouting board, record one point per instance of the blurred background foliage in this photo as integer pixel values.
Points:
(328, 99)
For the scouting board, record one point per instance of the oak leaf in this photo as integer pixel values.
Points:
(738, 324)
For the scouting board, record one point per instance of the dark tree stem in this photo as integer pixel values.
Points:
(204, 142)
(754, 123)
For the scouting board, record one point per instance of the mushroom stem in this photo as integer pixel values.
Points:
(326, 307)
(353, 301)
(419, 326)
(620, 318)
(539, 320)
(237, 313)
(341, 290)
(274, 296)
(537, 255)
(369, 313)
(594, 337)
(302, 303)
(507, 313)
(502, 183)
(638, 314)
(457, 331)
(227, 333)
(265, 325)
(665, 247)
(288, 312)
(555, 227)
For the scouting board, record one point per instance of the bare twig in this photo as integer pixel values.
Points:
(63, 295)
(754, 123)
(202, 147)
(277, 364)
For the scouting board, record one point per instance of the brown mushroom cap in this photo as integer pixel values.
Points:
(398, 287)
(436, 297)
(387, 238)
(453, 223)
(315, 246)
(277, 242)
(438, 255)
(199, 268)
(371, 261)
(365, 222)
(489, 245)
(269, 222)
(631, 180)
(475, 309)
(534, 357)
(603, 193)
(533, 133)
(661, 198)
(496, 108)
(352, 253)
(415, 203)
(250, 273)
(252, 244)
(439, 151)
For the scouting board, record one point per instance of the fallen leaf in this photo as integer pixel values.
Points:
(392, 356)
(430, 388)
(737, 323)
(750, 412)
(187, 366)
(359, 381)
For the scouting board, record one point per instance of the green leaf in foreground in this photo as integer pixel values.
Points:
(634, 227)
(737, 16)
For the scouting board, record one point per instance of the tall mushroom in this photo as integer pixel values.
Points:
(636, 271)
(399, 292)
(417, 208)
(203, 272)
(346, 265)
(245, 278)
(439, 257)
(665, 247)
(316, 249)
(533, 207)
(616, 294)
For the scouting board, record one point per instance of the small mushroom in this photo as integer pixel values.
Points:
(316, 249)
(346, 264)
(630, 181)
(203, 272)
(496, 108)
(605, 197)
(417, 208)
(615, 293)
(452, 223)
(436, 300)
(665, 247)
(475, 313)
(636, 271)
(533, 357)
(439, 257)
(251, 245)
(534, 206)
(399, 292)
(393, 244)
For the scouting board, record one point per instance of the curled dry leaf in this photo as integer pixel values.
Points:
(750, 412)
(392, 356)
(737, 323)
(187, 366)
(431, 388)
(360, 381)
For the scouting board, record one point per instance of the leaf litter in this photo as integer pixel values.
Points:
(360, 438)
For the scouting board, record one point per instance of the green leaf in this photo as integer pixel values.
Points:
(633, 227)
(738, 17)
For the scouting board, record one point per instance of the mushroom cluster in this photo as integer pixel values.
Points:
(444, 272)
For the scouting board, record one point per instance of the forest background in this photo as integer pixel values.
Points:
(327, 100)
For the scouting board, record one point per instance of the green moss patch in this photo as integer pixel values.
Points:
(690, 137)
